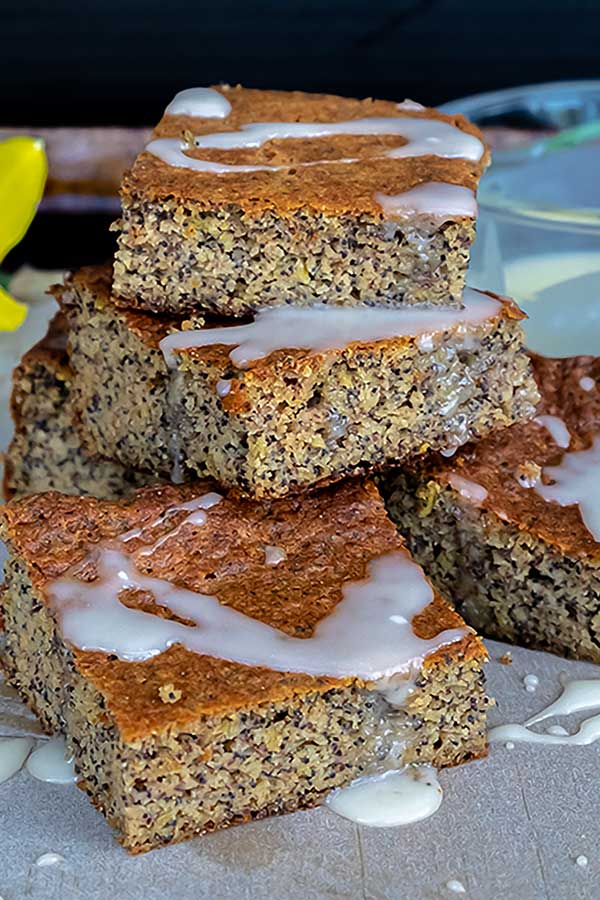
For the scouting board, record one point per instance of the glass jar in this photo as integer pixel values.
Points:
(538, 232)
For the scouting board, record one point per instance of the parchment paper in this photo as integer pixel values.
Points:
(510, 827)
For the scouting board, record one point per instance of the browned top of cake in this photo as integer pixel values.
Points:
(497, 462)
(329, 537)
(334, 189)
(95, 282)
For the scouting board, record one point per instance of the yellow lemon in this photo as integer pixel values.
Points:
(23, 171)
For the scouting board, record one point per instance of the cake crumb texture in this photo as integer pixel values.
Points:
(182, 744)
(520, 569)
(236, 242)
(296, 418)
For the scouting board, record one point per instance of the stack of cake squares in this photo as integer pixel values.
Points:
(285, 317)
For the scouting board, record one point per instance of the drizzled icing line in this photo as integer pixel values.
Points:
(423, 136)
(577, 696)
(319, 328)
(368, 635)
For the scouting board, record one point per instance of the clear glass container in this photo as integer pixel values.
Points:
(538, 233)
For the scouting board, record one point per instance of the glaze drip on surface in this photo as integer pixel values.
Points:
(576, 696)
(321, 328)
(389, 799)
(470, 490)
(204, 103)
(557, 429)
(576, 481)
(435, 199)
(45, 760)
(196, 515)
(49, 859)
(49, 762)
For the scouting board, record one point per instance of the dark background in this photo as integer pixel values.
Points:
(75, 62)
(120, 61)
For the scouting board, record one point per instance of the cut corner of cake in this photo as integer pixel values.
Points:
(294, 198)
(509, 526)
(296, 397)
(280, 697)
(46, 451)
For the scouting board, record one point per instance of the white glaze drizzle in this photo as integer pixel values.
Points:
(204, 103)
(49, 859)
(586, 383)
(195, 507)
(531, 683)
(576, 696)
(468, 489)
(223, 387)
(368, 635)
(576, 481)
(397, 797)
(172, 152)
(410, 105)
(49, 763)
(556, 729)
(396, 688)
(319, 328)
(588, 733)
(424, 137)
(425, 342)
(13, 753)
(557, 429)
(455, 886)
(436, 199)
(274, 555)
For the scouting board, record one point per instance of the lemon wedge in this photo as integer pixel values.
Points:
(23, 170)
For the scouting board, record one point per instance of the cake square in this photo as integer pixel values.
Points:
(246, 199)
(296, 397)
(488, 525)
(46, 452)
(190, 708)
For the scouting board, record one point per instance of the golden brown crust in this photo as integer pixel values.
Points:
(494, 462)
(343, 190)
(341, 530)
